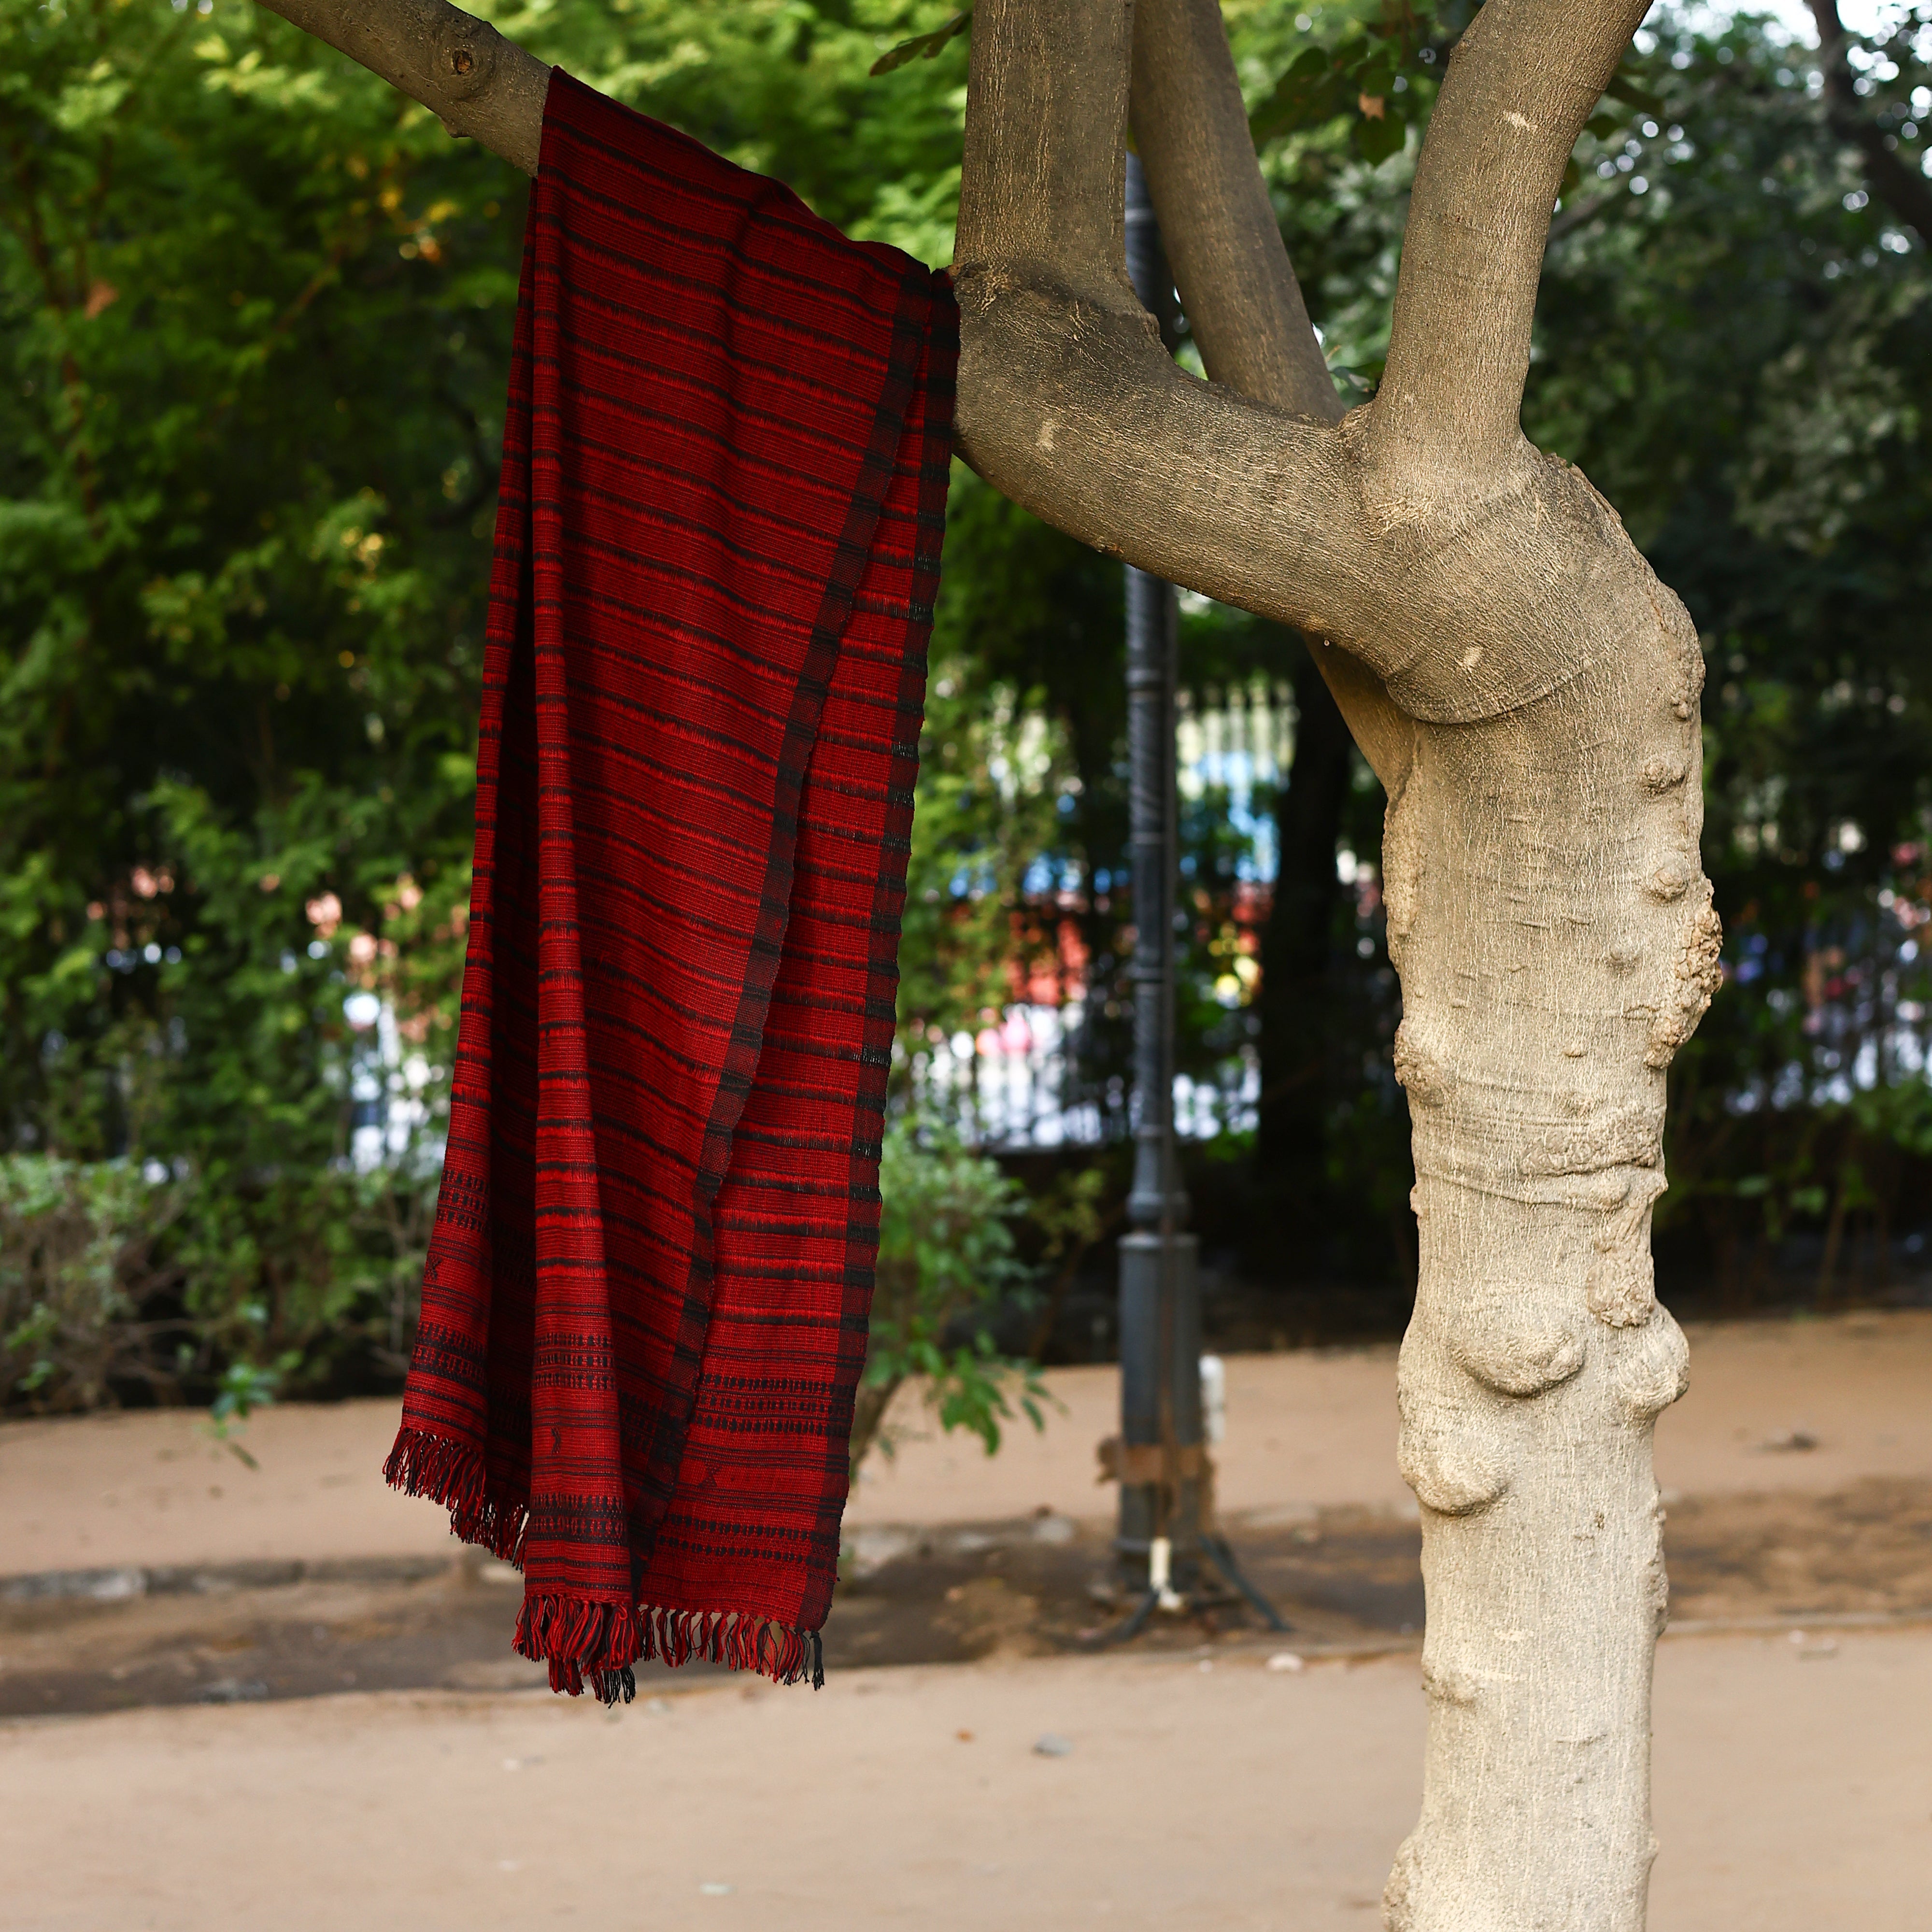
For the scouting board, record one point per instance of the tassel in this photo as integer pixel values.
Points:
(586, 1642)
(455, 1475)
(578, 1637)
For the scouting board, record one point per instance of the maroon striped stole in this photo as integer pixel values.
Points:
(645, 1304)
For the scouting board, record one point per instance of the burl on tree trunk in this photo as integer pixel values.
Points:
(1526, 691)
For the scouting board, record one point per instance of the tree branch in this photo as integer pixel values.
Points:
(1522, 81)
(1582, 211)
(1042, 192)
(1243, 302)
(1191, 128)
(1069, 404)
(475, 82)
(1901, 188)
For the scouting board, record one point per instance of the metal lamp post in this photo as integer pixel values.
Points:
(1166, 1520)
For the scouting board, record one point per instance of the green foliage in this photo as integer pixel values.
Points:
(1373, 70)
(784, 87)
(254, 320)
(78, 1242)
(1019, 834)
(946, 1262)
(1730, 340)
(1340, 172)
(244, 1388)
(997, 778)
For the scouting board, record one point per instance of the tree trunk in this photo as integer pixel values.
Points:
(1835, 1231)
(1527, 692)
(1552, 942)
(869, 1410)
(1899, 185)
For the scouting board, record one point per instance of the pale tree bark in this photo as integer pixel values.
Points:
(1527, 692)
(1536, 726)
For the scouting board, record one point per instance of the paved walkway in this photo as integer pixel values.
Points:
(1305, 1429)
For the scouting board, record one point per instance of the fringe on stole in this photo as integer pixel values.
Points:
(454, 1475)
(589, 1644)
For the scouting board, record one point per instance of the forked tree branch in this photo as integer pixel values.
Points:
(1384, 541)
(1243, 304)
(1379, 532)
(1068, 402)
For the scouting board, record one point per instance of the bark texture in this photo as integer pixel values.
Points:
(477, 83)
(1527, 692)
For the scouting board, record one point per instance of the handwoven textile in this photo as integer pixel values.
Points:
(644, 1308)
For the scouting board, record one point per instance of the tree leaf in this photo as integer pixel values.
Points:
(1379, 136)
(922, 46)
(1310, 91)
(1376, 77)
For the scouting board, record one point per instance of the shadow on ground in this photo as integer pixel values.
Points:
(1344, 1578)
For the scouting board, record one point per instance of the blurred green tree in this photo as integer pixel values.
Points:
(254, 320)
(254, 313)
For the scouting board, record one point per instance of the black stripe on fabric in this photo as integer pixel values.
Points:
(765, 461)
(679, 337)
(710, 536)
(940, 353)
(769, 200)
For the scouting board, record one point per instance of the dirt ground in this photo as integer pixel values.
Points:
(1312, 1428)
(1348, 1580)
(229, 1695)
(1794, 1794)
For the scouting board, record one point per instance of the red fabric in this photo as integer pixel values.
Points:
(644, 1310)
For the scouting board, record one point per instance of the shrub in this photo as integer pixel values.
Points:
(946, 1262)
(79, 1266)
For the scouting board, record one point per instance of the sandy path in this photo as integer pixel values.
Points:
(1792, 1796)
(1794, 1783)
(1304, 1429)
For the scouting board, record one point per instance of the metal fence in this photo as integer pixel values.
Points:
(1019, 1083)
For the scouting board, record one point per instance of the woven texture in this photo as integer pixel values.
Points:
(644, 1309)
